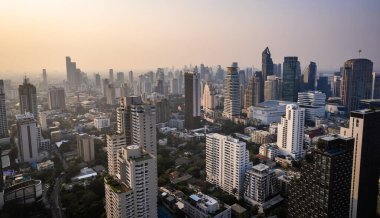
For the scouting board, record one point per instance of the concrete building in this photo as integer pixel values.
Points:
(267, 112)
(314, 103)
(323, 189)
(4, 136)
(56, 98)
(28, 98)
(114, 145)
(200, 205)
(356, 82)
(364, 127)
(209, 97)
(174, 86)
(309, 75)
(254, 90)
(232, 100)
(192, 100)
(375, 85)
(124, 116)
(85, 146)
(162, 111)
(272, 88)
(143, 120)
(335, 86)
(227, 160)
(290, 135)
(28, 141)
(262, 137)
(269, 151)
(260, 184)
(133, 191)
(111, 94)
(102, 123)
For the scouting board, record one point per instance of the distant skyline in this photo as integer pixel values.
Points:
(143, 35)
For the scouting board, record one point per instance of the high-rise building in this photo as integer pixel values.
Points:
(162, 111)
(119, 77)
(143, 120)
(105, 87)
(28, 141)
(364, 127)
(232, 99)
(323, 190)
(98, 82)
(291, 79)
(290, 135)
(73, 73)
(192, 100)
(111, 94)
(160, 87)
(44, 79)
(130, 77)
(227, 161)
(114, 144)
(309, 75)
(124, 116)
(56, 98)
(133, 192)
(323, 85)
(314, 103)
(272, 88)
(277, 70)
(336, 86)
(260, 184)
(267, 64)
(110, 73)
(85, 146)
(253, 91)
(28, 98)
(3, 113)
(209, 97)
(174, 86)
(69, 70)
(375, 85)
(356, 82)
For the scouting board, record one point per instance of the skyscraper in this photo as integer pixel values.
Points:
(227, 160)
(105, 87)
(232, 99)
(27, 134)
(124, 116)
(28, 98)
(98, 82)
(323, 189)
(267, 64)
(192, 100)
(290, 135)
(114, 144)
(356, 82)
(73, 73)
(143, 120)
(130, 77)
(208, 97)
(3, 113)
(314, 103)
(272, 88)
(364, 127)
(375, 85)
(309, 75)
(336, 86)
(56, 98)
(323, 85)
(44, 79)
(110, 72)
(290, 79)
(85, 147)
(253, 92)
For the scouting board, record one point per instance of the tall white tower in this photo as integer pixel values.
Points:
(232, 101)
(290, 135)
(28, 139)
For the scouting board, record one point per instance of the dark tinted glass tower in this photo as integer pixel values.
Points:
(192, 100)
(323, 85)
(253, 92)
(356, 82)
(291, 79)
(309, 77)
(28, 98)
(323, 189)
(267, 64)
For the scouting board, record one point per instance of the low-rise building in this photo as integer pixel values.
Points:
(262, 137)
(268, 111)
(47, 165)
(102, 123)
(269, 151)
(203, 206)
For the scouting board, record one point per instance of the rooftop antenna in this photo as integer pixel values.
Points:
(359, 51)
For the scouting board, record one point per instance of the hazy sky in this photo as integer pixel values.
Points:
(142, 34)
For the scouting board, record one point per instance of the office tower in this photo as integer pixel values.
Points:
(98, 83)
(133, 193)
(69, 70)
(309, 75)
(219, 75)
(174, 86)
(130, 77)
(28, 98)
(253, 92)
(375, 86)
(85, 146)
(160, 75)
(120, 77)
(314, 103)
(160, 87)
(272, 88)
(192, 100)
(114, 144)
(290, 135)
(277, 71)
(209, 97)
(124, 116)
(110, 77)
(44, 79)
(232, 99)
(323, 189)
(336, 86)
(180, 82)
(43, 120)
(105, 87)
(28, 141)
(3, 113)
(143, 120)
(227, 160)
(356, 82)
(56, 98)
(123, 90)
(260, 184)
(266, 64)
(162, 111)
(323, 85)
(74, 77)
(364, 127)
(111, 95)
(290, 79)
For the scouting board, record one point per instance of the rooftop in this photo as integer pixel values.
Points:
(260, 167)
(116, 185)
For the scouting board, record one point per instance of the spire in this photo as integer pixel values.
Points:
(266, 51)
